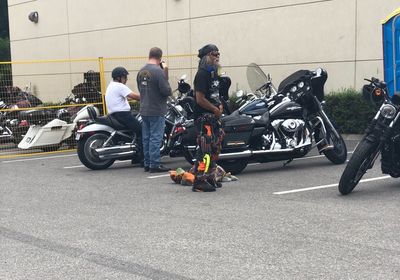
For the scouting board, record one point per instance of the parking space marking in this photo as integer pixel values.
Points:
(158, 176)
(38, 158)
(71, 167)
(329, 186)
(78, 166)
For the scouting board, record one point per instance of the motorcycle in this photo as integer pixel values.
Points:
(49, 129)
(381, 136)
(6, 134)
(281, 125)
(12, 126)
(185, 97)
(105, 140)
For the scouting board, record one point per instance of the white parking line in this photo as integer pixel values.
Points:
(330, 186)
(158, 176)
(38, 158)
(78, 166)
(71, 167)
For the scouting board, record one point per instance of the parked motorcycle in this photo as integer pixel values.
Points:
(13, 127)
(49, 129)
(105, 140)
(280, 126)
(185, 97)
(381, 136)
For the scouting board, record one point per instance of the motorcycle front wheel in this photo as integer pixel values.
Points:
(87, 154)
(359, 163)
(338, 154)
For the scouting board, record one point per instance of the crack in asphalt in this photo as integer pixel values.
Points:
(99, 259)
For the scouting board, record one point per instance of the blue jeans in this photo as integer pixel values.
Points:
(152, 135)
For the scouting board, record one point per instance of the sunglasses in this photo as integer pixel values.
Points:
(215, 54)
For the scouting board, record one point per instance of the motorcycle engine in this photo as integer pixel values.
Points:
(290, 130)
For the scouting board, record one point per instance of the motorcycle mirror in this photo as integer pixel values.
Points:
(318, 71)
(239, 94)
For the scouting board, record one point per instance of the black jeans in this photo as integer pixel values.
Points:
(127, 119)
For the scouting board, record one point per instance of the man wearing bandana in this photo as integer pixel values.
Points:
(207, 113)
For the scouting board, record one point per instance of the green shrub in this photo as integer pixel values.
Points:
(349, 111)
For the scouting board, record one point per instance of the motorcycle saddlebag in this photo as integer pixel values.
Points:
(238, 130)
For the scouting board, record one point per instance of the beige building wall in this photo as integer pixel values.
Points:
(343, 36)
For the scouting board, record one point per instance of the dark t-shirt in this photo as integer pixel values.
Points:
(207, 83)
(154, 90)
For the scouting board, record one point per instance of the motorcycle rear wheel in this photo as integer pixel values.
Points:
(86, 154)
(357, 166)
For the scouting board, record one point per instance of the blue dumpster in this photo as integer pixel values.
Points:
(391, 51)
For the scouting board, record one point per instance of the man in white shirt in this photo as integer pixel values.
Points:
(117, 95)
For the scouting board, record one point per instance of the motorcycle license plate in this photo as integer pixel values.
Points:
(78, 136)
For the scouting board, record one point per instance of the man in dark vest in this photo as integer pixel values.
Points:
(207, 113)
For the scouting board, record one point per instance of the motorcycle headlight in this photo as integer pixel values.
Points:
(293, 89)
(300, 85)
(388, 111)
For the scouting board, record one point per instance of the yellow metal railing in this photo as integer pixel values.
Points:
(63, 84)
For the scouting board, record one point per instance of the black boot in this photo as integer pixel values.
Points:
(214, 183)
(202, 186)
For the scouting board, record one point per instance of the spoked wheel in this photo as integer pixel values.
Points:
(362, 159)
(87, 154)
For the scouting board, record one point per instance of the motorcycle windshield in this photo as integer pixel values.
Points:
(255, 77)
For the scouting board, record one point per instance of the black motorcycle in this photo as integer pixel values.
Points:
(381, 136)
(277, 127)
(13, 125)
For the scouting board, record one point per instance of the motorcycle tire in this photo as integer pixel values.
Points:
(357, 166)
(163, 145)
(190, 157)
(87, 157)
(234, 166)
(338, 154)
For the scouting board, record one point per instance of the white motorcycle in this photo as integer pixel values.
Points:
(50, 135)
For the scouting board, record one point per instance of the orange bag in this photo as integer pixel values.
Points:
(187, 179)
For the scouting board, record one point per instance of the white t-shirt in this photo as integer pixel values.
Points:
(116, 100)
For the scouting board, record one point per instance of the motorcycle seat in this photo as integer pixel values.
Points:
(262, 120)
(110, 121)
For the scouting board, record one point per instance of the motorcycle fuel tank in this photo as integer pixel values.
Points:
(287, 109)
(256, 107)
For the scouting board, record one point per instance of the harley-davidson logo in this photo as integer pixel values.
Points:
(235, 143)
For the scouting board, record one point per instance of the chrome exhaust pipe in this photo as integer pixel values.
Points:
(115, 149)
(243, 154)
(249, 153)
(117, 155)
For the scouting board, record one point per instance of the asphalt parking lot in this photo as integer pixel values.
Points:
(60, 220)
